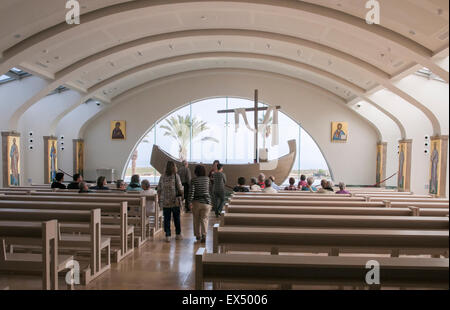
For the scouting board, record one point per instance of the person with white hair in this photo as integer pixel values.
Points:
(342, 189)
(309, 185)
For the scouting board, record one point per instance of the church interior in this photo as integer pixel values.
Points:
(224, 145)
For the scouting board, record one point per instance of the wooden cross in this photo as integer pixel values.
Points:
(255, 110)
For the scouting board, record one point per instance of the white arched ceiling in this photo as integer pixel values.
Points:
(344, 31)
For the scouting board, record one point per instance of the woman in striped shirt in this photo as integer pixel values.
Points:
(200, 199)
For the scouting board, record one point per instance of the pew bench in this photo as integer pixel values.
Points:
(49, 262)
(338, 221)
(330, 240)
(94, 243)
(380, 211)
(313, 270)
(121, 243)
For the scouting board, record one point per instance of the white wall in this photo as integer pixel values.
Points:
(352, 162)
(38, 119)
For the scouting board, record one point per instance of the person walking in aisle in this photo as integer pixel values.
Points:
(200, 202)
(219, 189)
(185, 175)
(170, 192)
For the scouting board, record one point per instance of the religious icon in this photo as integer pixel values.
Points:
(434, 178)
(401, 171)
(13, 161)
(79, 157)
(379, 164)
(53, 159)
(339, 131)
(118, 130)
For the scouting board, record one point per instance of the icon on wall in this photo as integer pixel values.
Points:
(339, 131)
(118, 130)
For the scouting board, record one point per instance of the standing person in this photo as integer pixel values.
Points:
(219, 189)
(77, 179)
(57, 183)
(169, 190)
(185, 176)
(135, 184)
(211, 180)
(200, 201)
(148, 191)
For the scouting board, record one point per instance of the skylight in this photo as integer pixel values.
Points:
(427, 73)
(12, 75)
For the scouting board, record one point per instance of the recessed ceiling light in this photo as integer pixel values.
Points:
(219, 42)
(268, 46)
(45, 51)
(17, 36)
(299, 52)
(171, 46)
(440, 11)
(56, 57)
(330, 62)
(412, 32)
(203, 17)
(139, 53)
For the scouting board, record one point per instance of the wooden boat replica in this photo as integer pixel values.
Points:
(280, 168)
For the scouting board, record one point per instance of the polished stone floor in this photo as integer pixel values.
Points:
(156, 265)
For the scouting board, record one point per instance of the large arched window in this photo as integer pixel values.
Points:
(213, 136)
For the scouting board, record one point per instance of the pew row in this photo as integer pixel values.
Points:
(331, 221)
(93, 243)
(330, 240)
(49, 263)
(137, 209)
(315, 270)
(122, 235)
(314, 203)
(411, 211)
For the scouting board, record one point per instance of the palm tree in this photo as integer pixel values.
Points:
(180, 129)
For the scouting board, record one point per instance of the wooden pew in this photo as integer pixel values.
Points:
(119, 232)
(318, 270)
(319, 197)
(413, 211)
(329, 221)
(325, 203)
(49, 262)
(136, 213)
(330, 240)
(95, 243)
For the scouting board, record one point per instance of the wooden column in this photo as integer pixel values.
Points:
(404, 170)
(256, 127)
(10, 138)
(78, 156)
(381, 163)
(50, 143)
(438, 165)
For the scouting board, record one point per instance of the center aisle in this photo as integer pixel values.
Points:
(158, 265)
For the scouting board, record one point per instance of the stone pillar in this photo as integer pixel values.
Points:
(11, 157)
(50, 158)
(381, 163)
(78, 156)
(404, 169)
(438, 165)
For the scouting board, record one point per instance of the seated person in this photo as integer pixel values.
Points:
(309, 185)
(120, 184)
(84, 188)
(330, 186)
(101, 184)
(57, 183)
(325, 187)
(302, 182)
(77, 179)
(241, 188)
(148, 191)
(274, 186)
(268, 189)
(291, 186)
(342, 189)
(254, 187)
(135, 184)
(261, 179)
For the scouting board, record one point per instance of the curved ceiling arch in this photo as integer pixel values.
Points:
(206, 71)
(401, 44)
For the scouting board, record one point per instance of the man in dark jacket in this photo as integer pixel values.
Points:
(77, 179)
(57, 183)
